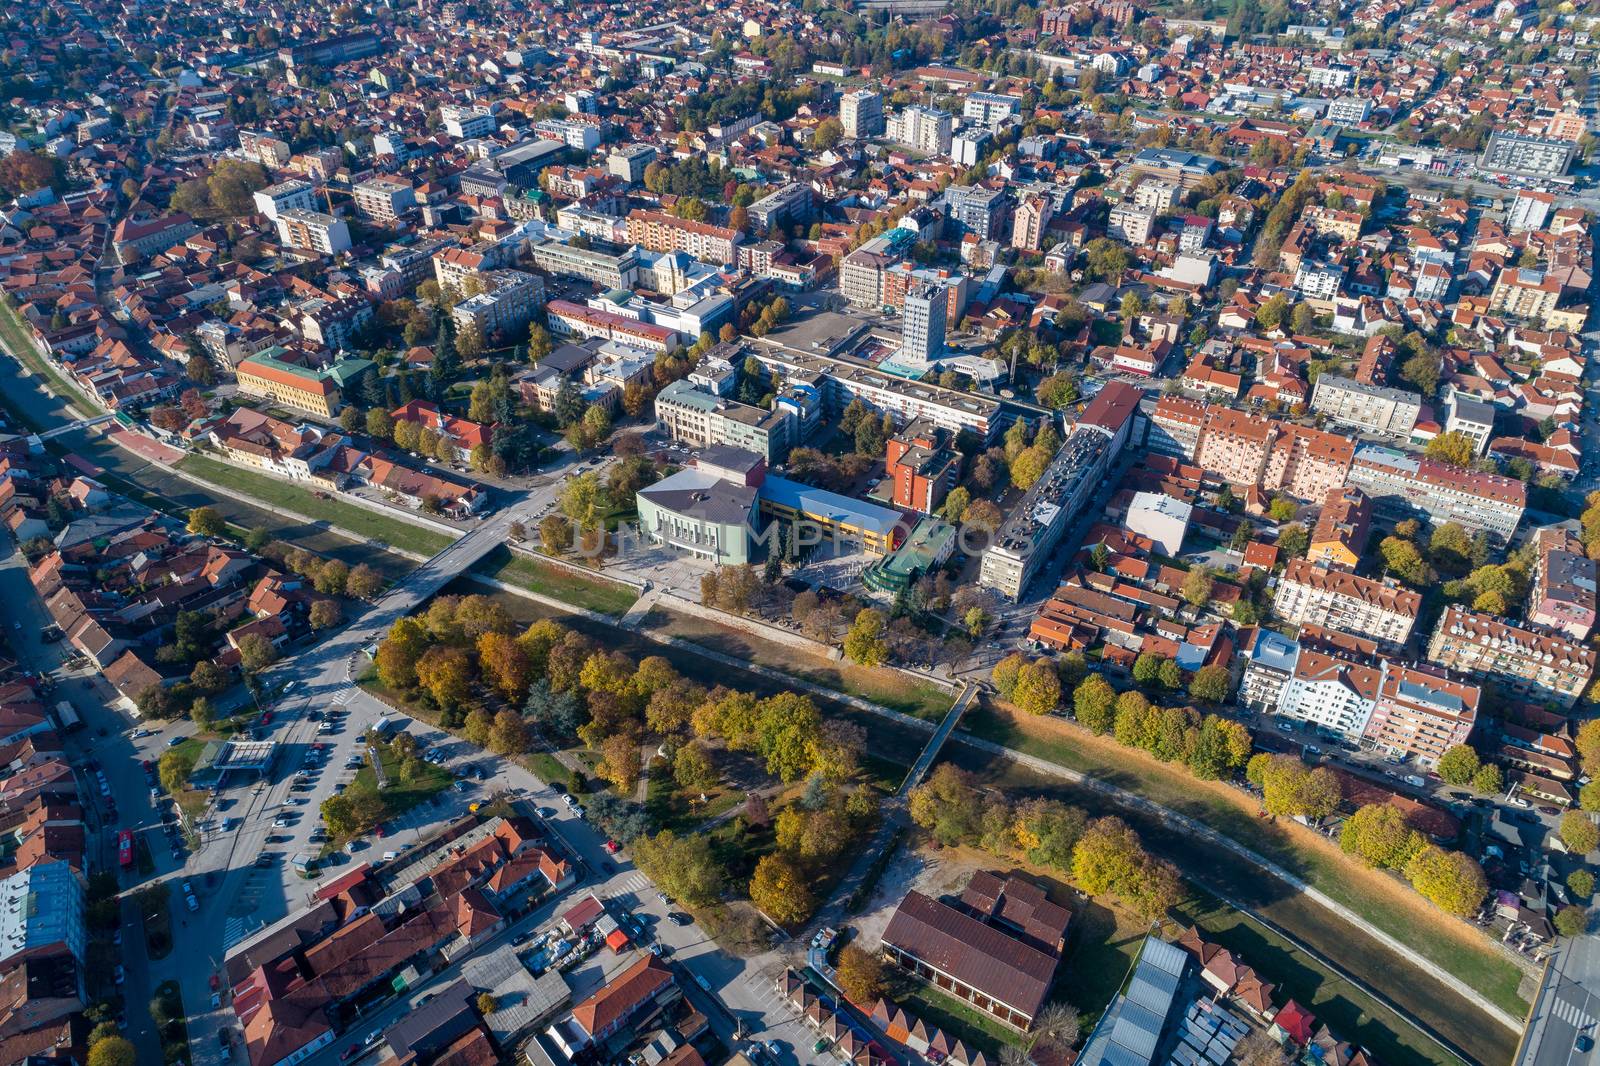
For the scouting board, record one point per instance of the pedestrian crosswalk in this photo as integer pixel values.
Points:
(1572, 1013)
(236, 929)
(343, 696)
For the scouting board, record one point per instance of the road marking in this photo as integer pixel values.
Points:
(1568, 1011)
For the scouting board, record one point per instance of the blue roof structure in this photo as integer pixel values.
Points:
(829, 506)
(1274, 650)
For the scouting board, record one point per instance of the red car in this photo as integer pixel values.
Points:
(349, 1053)
(613, 847)
(266, 717)
(379, 831)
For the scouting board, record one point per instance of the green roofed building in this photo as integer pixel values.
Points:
(928, 546)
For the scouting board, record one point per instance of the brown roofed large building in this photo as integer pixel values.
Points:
(1333, 598)
(646, 983)
(991, 951)
(1421, 713)
(1539, 664)
(1341, 530)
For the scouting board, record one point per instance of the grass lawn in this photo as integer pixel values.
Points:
(15, 335)
(591, 594)
(381, 529)
(1454, 946)
(1349, 1011)
(400, 796)
(548, 768)
(960, 1020)
(1102, 945)
(888, 688)
(679, 809)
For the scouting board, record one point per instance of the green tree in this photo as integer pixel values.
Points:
(1038, 688)
(866, 643)
(1451, 881)
(1571, 920)
(1378, 835)
(1488, 779)
(1094, 704)
(1210, 684)
(1458, 765)
(1578, 832)
(207, 522)
(1581, 882)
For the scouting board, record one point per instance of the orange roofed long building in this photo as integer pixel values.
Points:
(1338, 600)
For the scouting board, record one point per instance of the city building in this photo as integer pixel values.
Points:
(508, 302)
(312, 232)
(922, 466)
(877, 530)
(318, 391)
(1330, 693)
(1536, 664)
(997, 948)
(383, 199)
(701, 419)
(136, 239)
(990, 109)
(861, 113)
(1561, 595)
(565, 318)
(700, 513)
(628, 162)
(1530, 209)
(1518, 153)
(979, 210)
(1340, 535)
(1234, 445)
(1030, 221)
(466, 120)
(1162, 518)
(1028, 537)
(784, 206)
(1403, 485)
(1374, 408)
(1421, 715)
(284, 195)
(1473, 419)
(42, 914)
(608, 267)
(924, 129)
(1339, 600)
(658, 231)
(923, 322)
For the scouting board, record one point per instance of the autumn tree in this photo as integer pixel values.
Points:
(207, 522)
(1379, 835)
(778, 889)
(446, 673)
(1451, 881)
(505, 665)
(1579, 833)
(364, 582)
(1458, 765)
(509, 735)
(684, 867)
(1038, 688)
(1094, 704)
(398, 653)
(619, 762)
(1210, 684)
(865, 642)
(860, 975)
(325, 614)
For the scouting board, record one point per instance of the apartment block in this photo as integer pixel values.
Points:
(312, 232)
(383, 199)
(284, 195)
(1175, 427)
(505, 306)
(1340, 534)
(1033, 529)
(1403, 485)
(922, 466)
(1131, 223)
(608, 268)
(1029, 223)
(784, 206)
(658, 231)
(1421, 714)
(1306, 463)
(861, 113)
(1234, 445)
(925, 129)
(1536, 664)
(1339, 600)
(1330, 693)
(1562, 596)
(1525, 292)
(1375, 408)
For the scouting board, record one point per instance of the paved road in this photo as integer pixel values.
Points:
(1568, 1005)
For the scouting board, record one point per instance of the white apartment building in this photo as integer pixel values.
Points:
(383, 199)
(285, 195)
(1340, 600)
(312, 231)
(1130, 223)
(1392, 412)
(462, 121)
(1158, 196)
(925, 129)
(861, 113)
(1330, 693)
(505, 308)
(989, 109)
